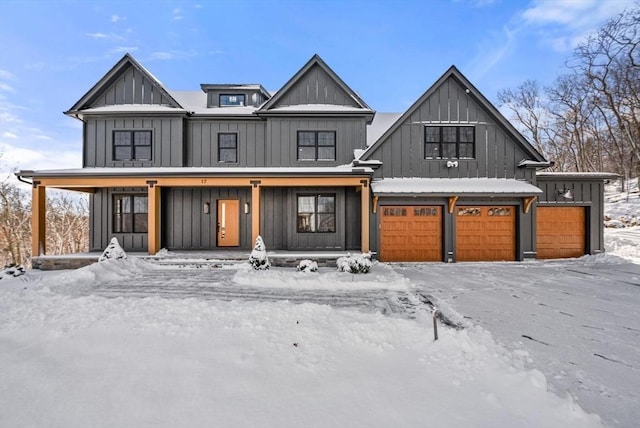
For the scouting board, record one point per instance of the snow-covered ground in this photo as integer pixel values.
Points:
(129, 343)
(72, 357)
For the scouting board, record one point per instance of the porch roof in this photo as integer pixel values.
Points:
(453, 187)
(151, 172)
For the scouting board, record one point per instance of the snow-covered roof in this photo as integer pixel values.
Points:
(133, 108)
(320, 108)
(453, 186)
(234, 86)
(577, 175)
(381, 122)
(195, 171)
(195, 102)
(528, 163)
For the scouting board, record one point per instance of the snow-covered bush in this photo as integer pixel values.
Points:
(113, 251)
(358, 263)
(307, 266)
(12, 271)
(258, 258)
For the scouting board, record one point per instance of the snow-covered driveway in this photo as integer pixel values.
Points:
(126, 343)
(577, 321)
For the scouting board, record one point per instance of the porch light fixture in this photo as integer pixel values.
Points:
(246, 207)
(566, 193)
(206, 208)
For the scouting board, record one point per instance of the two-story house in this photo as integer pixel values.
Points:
(313, 167)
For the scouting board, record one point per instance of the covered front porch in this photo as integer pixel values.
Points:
(152, 181)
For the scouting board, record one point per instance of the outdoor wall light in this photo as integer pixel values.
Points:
(205, 208)
(246, 207)
(566, 193)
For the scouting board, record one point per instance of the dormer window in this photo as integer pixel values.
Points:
(228, 100)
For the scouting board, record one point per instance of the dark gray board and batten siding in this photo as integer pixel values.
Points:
(167, 134)
(278, 220)
(187, 227)
(202, 142)
(496, 155)
(101, 221)
(132, 87)
(316, 87)
(282, 140)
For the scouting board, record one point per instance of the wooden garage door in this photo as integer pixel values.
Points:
(411, 234)
(561, 232)
(485, 233)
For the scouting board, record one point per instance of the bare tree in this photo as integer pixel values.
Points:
(67, 223)
(15, 225)
(589, 118)
(610, 63)
(526, 104)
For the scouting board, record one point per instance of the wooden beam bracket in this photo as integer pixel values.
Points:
(527, 203)
(452, 203)
(375, 204)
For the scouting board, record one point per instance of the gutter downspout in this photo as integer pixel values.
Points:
(30, 183)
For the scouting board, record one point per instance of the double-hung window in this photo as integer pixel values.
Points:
(130, 213)
(317, 145)
(228, 147)
(449, 142)
(317, 213)
(131, 145)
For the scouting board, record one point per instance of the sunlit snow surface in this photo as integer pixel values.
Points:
(128, 343)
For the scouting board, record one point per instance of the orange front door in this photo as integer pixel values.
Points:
(228, 223)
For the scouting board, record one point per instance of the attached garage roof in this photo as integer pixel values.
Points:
(453, 186)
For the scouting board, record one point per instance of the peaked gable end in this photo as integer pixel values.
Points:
(127, 83)
(316, 87)
(315, 84)
(453, 100)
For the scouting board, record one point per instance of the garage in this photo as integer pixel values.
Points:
(411, 233)
(561, 232)
(485, 233)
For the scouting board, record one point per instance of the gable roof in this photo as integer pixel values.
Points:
(314, 61)
(477, 96)
(112, 75)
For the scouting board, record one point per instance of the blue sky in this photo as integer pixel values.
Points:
(390, 52)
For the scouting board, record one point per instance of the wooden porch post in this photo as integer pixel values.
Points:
(364, 209)
(154, 218)
(255, 210)
(38, 224)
